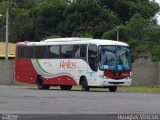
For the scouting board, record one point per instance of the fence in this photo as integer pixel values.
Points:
(146, 73)
(6, 72)
(143, 72)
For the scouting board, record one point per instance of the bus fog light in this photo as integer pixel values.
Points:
(128, 78)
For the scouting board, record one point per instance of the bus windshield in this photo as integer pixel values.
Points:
(114, 58)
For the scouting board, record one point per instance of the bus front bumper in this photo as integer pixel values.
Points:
(112, 82)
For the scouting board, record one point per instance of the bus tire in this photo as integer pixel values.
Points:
(41, 85)
(66, 87)
(112, 88)
(84, 84)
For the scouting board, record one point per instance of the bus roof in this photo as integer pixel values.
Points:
(66, 41)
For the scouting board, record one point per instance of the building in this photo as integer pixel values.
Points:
(11, 50)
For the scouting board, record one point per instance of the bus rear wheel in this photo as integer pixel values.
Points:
(112, 88)
(84, 85)
(66, 87)
(41, 85)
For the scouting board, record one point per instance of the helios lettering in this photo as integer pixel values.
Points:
(67, 64)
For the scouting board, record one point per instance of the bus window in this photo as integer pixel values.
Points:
(53, 51)
(76, 51)
(66, 51)
(92, 57)
(28, 52)
(20, 52)
(83, 51)
(79, 51)
(40, 52)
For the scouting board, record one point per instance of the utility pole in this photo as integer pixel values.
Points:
(7, 33)
(117, 29)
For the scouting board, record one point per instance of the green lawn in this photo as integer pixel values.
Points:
(143, 88)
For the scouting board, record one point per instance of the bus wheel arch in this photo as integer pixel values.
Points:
(40, 83)
(84, 83)
(38, 78)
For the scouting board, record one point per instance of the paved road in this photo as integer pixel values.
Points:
(34, 101)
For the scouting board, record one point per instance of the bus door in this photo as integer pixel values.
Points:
(92, 64)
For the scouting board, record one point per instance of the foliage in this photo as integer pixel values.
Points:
(35, 20)
(86, 35)
(141, 34)
(125, 9)
(86, 16)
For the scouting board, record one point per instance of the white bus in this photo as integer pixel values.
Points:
(68, 62)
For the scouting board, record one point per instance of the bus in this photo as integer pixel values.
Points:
(67, 62)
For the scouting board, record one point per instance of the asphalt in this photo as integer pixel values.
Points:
(55, 101)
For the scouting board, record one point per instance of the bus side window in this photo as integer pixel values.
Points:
(83, 51)
(92, 57)
(20, 52)
(28, 52)
(53, 51)
(40, 52)
(76, 51)
(66, 51)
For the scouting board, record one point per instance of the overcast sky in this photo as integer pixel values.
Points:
(158, 1)
(158, 15)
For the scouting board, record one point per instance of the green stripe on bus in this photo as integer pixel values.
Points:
(41, 68)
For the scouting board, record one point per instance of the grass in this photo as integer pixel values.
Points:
(19, 84)
(141, 88)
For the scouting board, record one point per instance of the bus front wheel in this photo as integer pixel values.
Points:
(112, 88)
(66, 87)
(84, 85)
(41, 85)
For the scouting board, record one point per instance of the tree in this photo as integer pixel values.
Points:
(16, 9)
(125, 9)
(141, 34)
(35, 20)
(88, 16)
(96, 28)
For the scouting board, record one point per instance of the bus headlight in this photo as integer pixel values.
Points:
(103, 77)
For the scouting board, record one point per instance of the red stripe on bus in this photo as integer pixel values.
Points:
(25, 72)
(60, 80)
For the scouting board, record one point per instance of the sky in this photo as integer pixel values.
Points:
(158, 14)
(158, 1)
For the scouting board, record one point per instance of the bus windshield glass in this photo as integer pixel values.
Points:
(114, 58)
